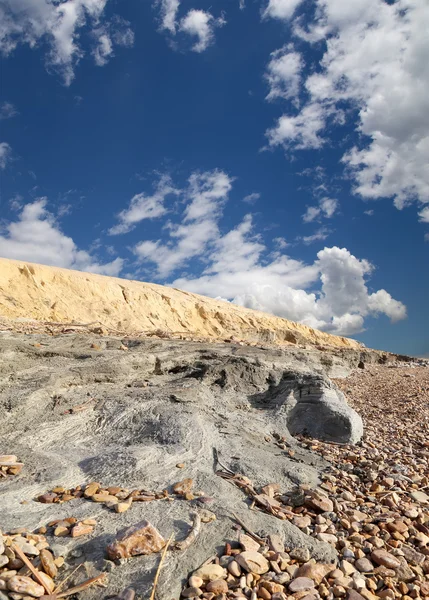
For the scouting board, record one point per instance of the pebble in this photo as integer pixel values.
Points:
(253, 562)
(210, 572)
(382, 557)
(217, 586)
(142, 538)
(25, 585)
(301, 583)
(364, 565)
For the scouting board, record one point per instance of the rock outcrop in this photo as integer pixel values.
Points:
(29, 291)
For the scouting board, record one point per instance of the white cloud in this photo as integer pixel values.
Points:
(206, 194)
(319, 236)
(283, 73)
(201, 24)
(169, 9)
(330, 293)
(36, 237)
(369, 212)
(300, 131)
(7, 110)
(252, 198)
(374, 74)
(60, 25)
(326, 208)
(5, 154)
(424, 215)
(281, 9)
(145, 207)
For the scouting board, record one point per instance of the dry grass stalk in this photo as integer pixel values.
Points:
(82, 586)
(158, 571)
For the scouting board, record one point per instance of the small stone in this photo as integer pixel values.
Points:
(91, 489)
(264, 594)
(195, 582)
(61, 531)
(47, 498)
(234, 568)
(192, 592)
(302, 522)
(48, 582)
(3, 560)
(59, 561)
(29, 549)
(404, 572)
(122, 507)
(319, 501)
(301, 583)
(25, 585)
(253, 562)
(217, 586)
(81, 529)
(412, 556)
(183, 487)
(89, 522)
(382, 557)
(275, 543)
(420, 497)
(364, 565)
(107, 498)
(180, 465)
(314, 571)
(48, 564)
(248, 543)
(142, 538)
(353, 595)
(210, 572)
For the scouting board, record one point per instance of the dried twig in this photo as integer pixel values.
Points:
(158, 571)
(249, 531)
(82, 586)
(216, 455)
(192, 535)
(30, 566)
(60, 585)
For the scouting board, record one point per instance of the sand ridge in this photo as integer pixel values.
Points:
(42, 293)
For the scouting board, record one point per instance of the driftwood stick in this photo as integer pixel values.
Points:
(158, 571)
(192, 535)
(82, 586)
(30, 566)
(249, 531)
(216, 455)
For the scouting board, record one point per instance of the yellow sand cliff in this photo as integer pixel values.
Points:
(41, 293)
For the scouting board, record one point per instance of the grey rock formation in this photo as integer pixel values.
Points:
(148, 408)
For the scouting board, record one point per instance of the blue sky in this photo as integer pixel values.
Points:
(273, 153)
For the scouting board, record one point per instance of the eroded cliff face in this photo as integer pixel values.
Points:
(41, 293)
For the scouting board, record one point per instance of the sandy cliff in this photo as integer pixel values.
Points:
(41, 293)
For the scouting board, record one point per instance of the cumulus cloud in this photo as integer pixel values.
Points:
(7, 110)
(115, 33)
(330, 293)
(144, 206)
(283, 73)
(326, 208)
(374, 73)
(5, 154)
(60, 25)
(201, 24)
(37, 237)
